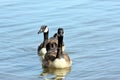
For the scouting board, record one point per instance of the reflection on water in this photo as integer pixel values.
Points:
(59, 74)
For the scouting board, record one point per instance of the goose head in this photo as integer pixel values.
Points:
(43, 29)
(60, 32)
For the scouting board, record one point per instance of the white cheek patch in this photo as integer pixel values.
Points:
(46, 29)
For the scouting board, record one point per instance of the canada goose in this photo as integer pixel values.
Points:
(42, 47)
(47, 44)
(57, 58)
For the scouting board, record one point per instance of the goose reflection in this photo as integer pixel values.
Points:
(59, 74)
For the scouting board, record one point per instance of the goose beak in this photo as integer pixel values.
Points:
(39, 31)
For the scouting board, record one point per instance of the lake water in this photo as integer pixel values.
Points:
(92, 38)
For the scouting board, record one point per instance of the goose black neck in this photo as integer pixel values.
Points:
(45, 36)
(60, 41)
(59, 50)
